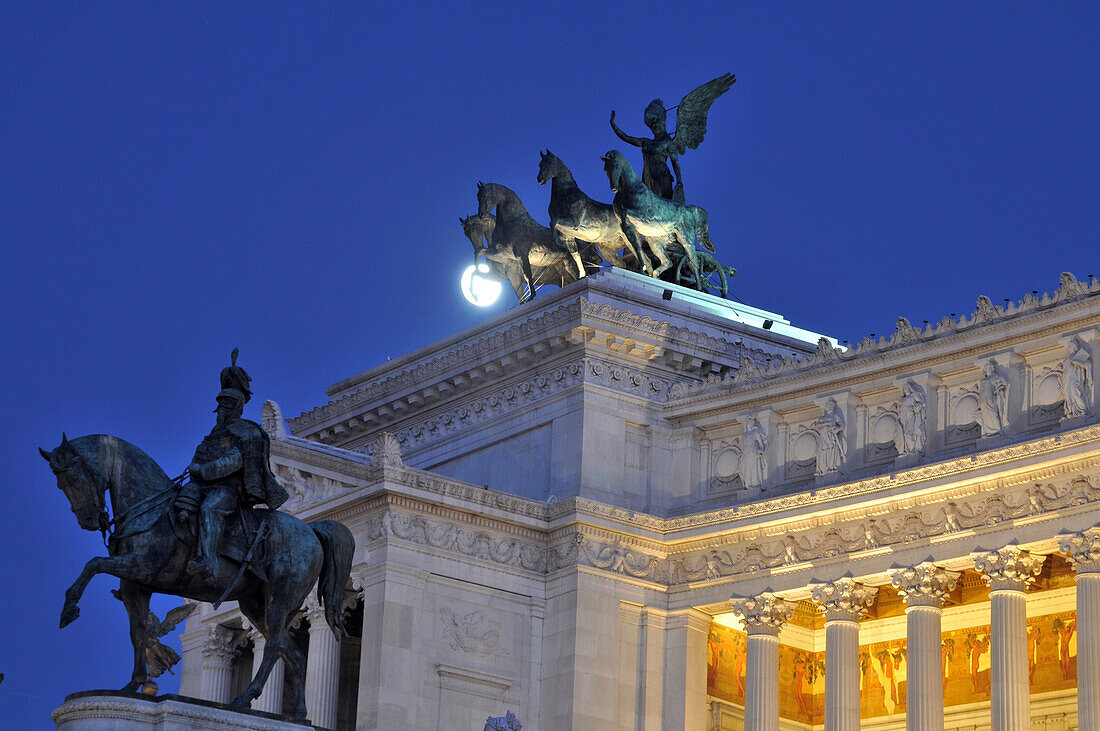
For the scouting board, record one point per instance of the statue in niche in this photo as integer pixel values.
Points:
(912, 417)
(993, 397)
(832, 445)
(754, 447)
(691, 125)
(1077, 379)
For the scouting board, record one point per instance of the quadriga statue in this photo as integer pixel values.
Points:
(206, 539)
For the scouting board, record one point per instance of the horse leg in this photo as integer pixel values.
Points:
(525, 262)
(569, 243)
(692, 258)
(254, 611)
(295, 664)
(124, 567)
(643, 261)
(136, 601)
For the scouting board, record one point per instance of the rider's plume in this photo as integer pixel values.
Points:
(236, 377)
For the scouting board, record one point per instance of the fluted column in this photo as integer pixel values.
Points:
(923, 587)
(271, 700)
(764, 615)
(219, 648)
(322, 667)
(1008, 572)
(1083, 550)
(844, 602)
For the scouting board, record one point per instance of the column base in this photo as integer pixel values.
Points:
(103, 710)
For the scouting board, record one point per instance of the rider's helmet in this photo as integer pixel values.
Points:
(235, 377)
(231, 398)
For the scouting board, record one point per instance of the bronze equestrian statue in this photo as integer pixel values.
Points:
(265, 560)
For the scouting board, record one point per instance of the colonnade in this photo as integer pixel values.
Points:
(1008, 571)
(322, 679)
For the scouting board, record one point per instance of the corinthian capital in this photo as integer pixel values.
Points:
(1008, 569)
(844, 599)
(763, 614)
(220, 644)
(924, 585)
(1083, 550)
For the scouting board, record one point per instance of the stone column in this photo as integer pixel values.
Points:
(923, 587)
(764, 615)
(844, 602)
(322, 666)
(1083, 550)
(271, 700)
(1008, 572)
(219, 648)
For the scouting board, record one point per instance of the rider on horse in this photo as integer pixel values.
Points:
(229, 471)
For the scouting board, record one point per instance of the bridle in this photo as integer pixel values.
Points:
(98, 482)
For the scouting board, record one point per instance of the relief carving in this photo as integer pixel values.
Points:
(912, 419)
(993, 400)
(832, 444)
(1077, 384)
(473, 633)
(754, 448)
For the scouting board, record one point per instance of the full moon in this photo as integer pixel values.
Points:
(478, 288)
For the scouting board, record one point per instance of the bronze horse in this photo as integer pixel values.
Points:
(665, 225)
(531, 243)
(574, 215)
(145, 553)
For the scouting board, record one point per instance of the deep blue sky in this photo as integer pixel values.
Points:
(181, 179)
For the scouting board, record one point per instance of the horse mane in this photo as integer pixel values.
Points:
(118, 459)
(515, 207)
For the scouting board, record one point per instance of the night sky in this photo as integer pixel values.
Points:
(177, 180)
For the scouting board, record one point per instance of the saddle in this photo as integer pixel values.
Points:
(240, 533)
(241, 528)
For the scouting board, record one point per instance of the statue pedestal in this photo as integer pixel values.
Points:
(100, 710)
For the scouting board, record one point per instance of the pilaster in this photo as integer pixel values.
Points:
(219, 648)
(322, 666)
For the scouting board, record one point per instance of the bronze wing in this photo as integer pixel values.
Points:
(174, 617)
(691, 115)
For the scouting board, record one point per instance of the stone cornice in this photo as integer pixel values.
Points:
(391, 502)
(1071, 295)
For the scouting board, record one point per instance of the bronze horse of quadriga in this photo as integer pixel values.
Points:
(145, 553)
(574, 215)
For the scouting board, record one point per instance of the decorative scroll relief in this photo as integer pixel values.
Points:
(1009, 568)
(458, 540)
(473, 633)
(986, 313)
(1083, 550)
(844, 599)
(898, 529)
(924, 584)
(590, 371)
(763, 614)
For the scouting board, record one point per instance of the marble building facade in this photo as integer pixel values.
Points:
(628, 505)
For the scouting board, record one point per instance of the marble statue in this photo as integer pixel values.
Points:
(912, 419)
(691, 125)
(754, 447)
(832, 445)
(993, 400)
(1077, 379)
(266, 561)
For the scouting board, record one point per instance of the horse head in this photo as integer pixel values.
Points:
(490, 195)
(615, 165)
(83, 486)
(479, 230)
(549, 166)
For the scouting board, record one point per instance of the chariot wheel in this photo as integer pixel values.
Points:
(712, 273)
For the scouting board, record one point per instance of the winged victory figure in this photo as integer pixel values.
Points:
(160, 657)
(691, 125)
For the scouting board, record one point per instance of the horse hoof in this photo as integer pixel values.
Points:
(242, 701)
(69, 615)
(132, 687)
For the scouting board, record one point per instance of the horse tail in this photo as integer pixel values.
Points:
(337, 548)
